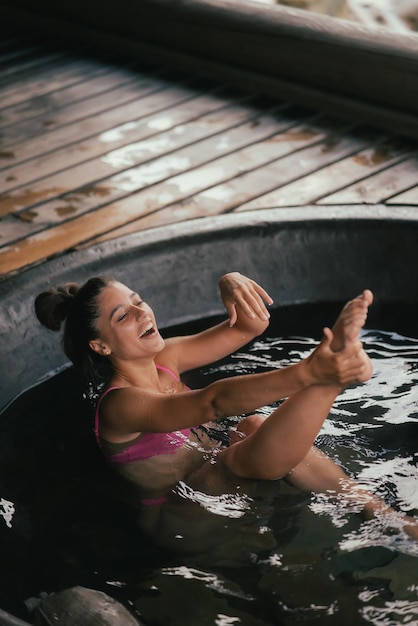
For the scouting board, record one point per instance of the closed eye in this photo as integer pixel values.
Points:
(126, 313)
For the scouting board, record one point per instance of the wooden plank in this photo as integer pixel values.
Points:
(195, 203)
(187, 122)
(309, 189)
(155, 95)
(230, 194)
(119, 92)
(15, 72)
(146, 175)
(42, 82)
(179, 192)
(377, 188)
(409, 197)
(64, 236)
(41, 105)
(170, 109)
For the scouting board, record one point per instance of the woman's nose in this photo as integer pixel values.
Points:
(138, 312)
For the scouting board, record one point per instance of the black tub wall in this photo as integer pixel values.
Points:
(176, 268)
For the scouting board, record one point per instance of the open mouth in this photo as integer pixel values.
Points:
(149, 330)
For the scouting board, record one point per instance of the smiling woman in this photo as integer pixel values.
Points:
(160, 435)
(125, 323)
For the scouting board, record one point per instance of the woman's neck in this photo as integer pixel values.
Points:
(136, 374)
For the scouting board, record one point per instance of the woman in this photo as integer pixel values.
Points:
(157, 433)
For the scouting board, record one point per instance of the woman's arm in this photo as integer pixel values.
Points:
(244, 301)
(132, 409)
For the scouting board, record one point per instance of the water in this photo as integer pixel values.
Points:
(276, 556)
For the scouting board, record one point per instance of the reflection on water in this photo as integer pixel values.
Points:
(268, 557)
(231, 505)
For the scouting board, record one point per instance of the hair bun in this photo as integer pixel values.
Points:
(52, 307)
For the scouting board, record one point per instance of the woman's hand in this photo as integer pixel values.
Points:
(240, 293)
(345, 367)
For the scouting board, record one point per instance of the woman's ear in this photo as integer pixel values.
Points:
(99, 347)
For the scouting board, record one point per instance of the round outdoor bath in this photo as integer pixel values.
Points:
(281, 556)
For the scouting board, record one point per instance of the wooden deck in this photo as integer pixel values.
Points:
(94, 148)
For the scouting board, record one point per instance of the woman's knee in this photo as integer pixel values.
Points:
(250, 424)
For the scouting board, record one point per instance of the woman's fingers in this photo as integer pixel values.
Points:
(251, 298)
(241, 292)
(347, 366)
(232, 312)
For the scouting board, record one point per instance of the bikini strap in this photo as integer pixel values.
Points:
(96, 417)
(166, 369)
(176, 378)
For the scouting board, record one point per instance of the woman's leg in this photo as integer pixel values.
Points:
(318, 473)
(284, 439)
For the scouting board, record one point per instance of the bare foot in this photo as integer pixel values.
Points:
(340, 356)
(350, 321)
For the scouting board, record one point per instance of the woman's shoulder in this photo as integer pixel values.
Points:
(113, 411)
(114, 397)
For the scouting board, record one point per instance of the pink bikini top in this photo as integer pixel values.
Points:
(146, 445)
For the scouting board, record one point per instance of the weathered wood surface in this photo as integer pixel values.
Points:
(94, 148)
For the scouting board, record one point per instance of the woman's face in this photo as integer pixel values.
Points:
(126, 324)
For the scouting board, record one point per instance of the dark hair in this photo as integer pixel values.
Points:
(78, 308)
